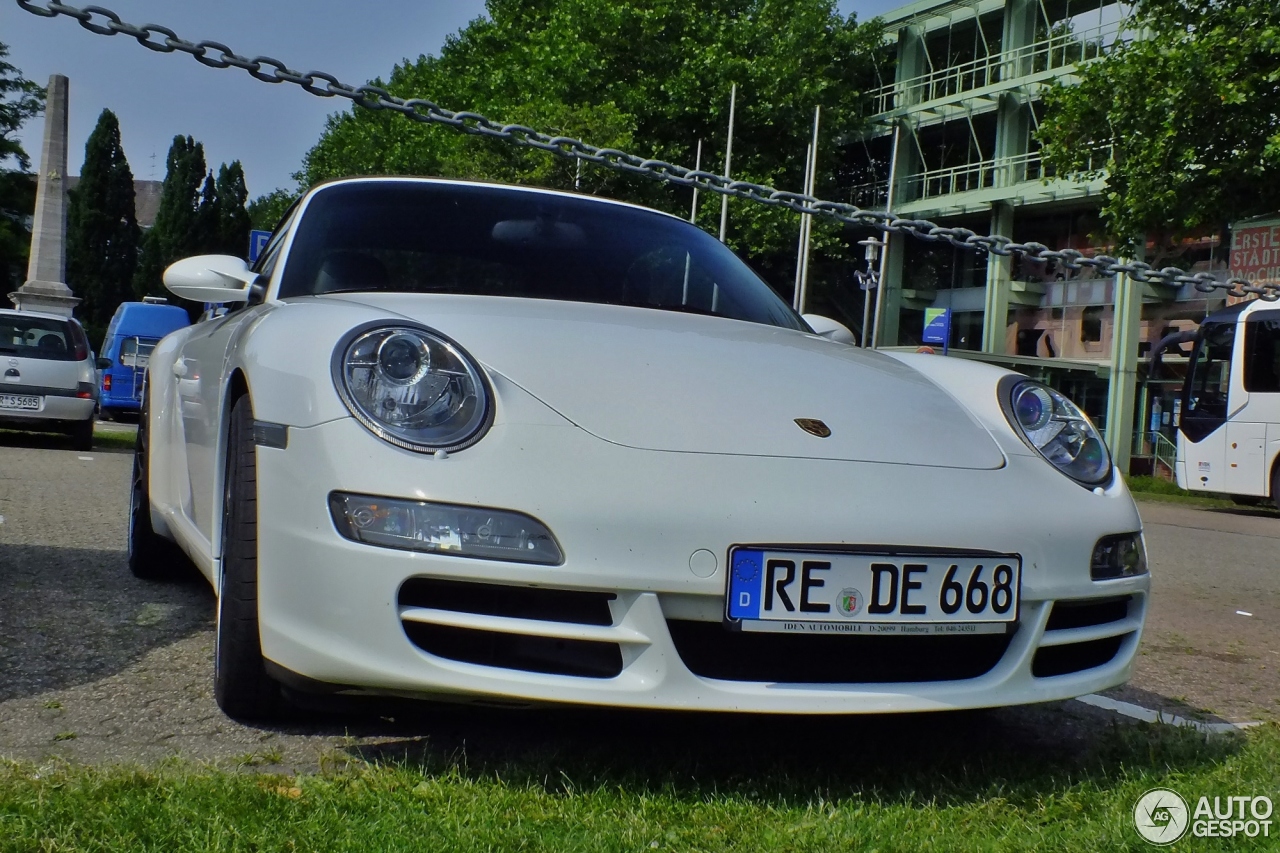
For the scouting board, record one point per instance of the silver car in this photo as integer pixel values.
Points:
(48, 381)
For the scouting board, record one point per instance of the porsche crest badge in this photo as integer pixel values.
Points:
(813, 426)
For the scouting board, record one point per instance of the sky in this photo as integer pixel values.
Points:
(267, 127)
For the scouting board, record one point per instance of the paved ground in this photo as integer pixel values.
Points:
(96, 666)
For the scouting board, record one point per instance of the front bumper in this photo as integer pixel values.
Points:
(630, 522)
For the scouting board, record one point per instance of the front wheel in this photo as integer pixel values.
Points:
(241, 686)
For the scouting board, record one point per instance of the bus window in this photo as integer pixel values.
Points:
(1208, 380)
(1262, 354)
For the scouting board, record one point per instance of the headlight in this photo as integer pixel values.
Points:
(437, 528)
(1054, 426)
(412, 387)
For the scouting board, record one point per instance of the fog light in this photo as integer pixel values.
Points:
(437, 528)
(1119, 556)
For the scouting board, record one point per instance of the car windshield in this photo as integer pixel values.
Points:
(38, 337)
(421, 237)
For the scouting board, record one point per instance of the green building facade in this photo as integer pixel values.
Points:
(953, 141)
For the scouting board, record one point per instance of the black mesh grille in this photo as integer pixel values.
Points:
(710, 650)
(517, 651)
(1087, 613)
(514, 602)
(1075, 657)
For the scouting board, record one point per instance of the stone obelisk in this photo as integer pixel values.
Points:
(46, 288)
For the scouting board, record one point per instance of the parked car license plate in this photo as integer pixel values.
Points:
(839, 592)
(16, 401)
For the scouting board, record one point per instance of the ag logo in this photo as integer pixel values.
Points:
(1161, 816)
(813, 426)
(849, 602)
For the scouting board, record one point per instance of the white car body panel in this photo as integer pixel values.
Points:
(639, 437)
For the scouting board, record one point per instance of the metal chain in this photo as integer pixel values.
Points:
(102, 21)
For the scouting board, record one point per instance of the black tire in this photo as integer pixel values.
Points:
(82, 435)
(151, 556)
(241, 686)
(1275, 486)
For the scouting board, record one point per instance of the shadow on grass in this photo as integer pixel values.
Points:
(116, 442)
(943, 758)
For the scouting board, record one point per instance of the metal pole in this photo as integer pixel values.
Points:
(808, 231)
(697, 167)
(888, 237)
(728, 159)
(804, 224)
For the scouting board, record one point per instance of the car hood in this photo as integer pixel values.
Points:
(661, 380)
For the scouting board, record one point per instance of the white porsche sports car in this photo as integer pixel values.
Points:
(488, 443)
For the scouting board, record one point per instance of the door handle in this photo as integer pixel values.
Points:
(179, 369)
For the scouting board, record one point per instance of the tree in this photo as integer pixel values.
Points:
(650, 77)
(266, 211)
(177, 231)
(233, 218)
(20, 100)
(1187, 111)
(102, 228)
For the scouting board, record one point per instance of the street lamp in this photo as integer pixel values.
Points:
(869, 281)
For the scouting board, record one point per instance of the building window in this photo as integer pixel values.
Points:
(1091, 325)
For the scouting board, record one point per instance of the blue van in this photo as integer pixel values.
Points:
(133, 333)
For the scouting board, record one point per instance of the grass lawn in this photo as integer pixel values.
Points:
(113, 439)
(1163, 491)
(870, 789)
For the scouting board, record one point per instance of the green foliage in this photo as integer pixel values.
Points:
(102, 229)
(651, 78)
(177, 231)
(20, 100)
(1190, 109)
(233, 222)
(198, 214)
(266, 211)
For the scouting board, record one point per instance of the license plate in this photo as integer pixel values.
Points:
(846, 593)
(14, 401)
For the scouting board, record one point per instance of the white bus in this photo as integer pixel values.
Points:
(1229, 429)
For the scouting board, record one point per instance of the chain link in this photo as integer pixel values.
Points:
(102, 21)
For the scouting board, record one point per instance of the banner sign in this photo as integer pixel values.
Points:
(937, 326)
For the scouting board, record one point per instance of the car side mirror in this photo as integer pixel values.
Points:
(830, 329)
(212, 278)
(103, 363)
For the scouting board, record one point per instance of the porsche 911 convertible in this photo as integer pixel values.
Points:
(494, 444)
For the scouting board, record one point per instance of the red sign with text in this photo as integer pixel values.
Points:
(1255, 251)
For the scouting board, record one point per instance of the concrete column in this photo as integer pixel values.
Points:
(1123, 384)
(46, 289)
(995, 311)
(912, 62)
(1020, 18)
